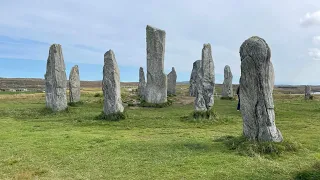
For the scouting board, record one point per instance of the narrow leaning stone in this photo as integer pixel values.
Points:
(208, 79)
(56, 80)
(194, 78)
(142, 83)
(74, 84)
(307, 92)
(205, 86)
(172, 81)
(227, 90)
(111, 85)
(256, 88)
(156, 89)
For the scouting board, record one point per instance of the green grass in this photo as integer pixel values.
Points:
(152, 143)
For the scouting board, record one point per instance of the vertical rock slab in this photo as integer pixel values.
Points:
(56, 80)
(205, 87)
(172, 81)
(194, 78)
(111, 85)
(256, 88)
(142, 83)
(208, 78)
(227, 90)
(74, 84)
(156, 89)
(307, 92)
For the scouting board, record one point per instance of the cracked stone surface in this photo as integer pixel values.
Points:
(205, 87)
(111, 85)
(156, 88)
(195, 78)
(74, 84)
(56, 80)
(227, 90)
(172, 81)
(256, 88)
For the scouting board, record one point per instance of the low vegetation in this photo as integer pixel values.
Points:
(153, 143)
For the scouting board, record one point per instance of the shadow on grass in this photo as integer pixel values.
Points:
(310, 174)
(76, 104)
(253, 148)
(112, 117)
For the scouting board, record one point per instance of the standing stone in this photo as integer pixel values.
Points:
(142, 83)
(56, 80)
(156, 89)
(205, 87)
(194, 78)
(256, 88)
(111, 85)
(172, 81)
(227, 90)
(74, 85)
(307, 92)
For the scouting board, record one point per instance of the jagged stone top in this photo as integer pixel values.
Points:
(255, 47)
(154, 29)
(173, 69)
(109, 55)
(227, 68)
(207, 45)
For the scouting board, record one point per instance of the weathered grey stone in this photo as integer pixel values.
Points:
(74, 84)
(194, 78)
(307, 92)
(172, 81)
(142, 83)
(111, 85)
(56, 80)
(205, 87)
(156, 89)
(256, 88)
(227, 90)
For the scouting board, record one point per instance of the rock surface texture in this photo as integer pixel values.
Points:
(156, 88)
(205, 87)
(172, 81)
(74, 84)
(307, 92)
(194, 78)
(256, 88)
(56, 80)
(111, 85)
(227, 90)
(142, 83)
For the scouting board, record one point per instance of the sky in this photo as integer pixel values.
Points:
(87, 29)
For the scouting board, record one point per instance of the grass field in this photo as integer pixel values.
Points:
(150, 144)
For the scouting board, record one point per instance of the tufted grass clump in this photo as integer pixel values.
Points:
(113, 117)
(228, 98)
(209, 114)
(143, 103)
(75, 104)
(253, 148)
(310, 174)
(98, 95)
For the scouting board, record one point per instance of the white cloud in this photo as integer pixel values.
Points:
(316, 40)
(314, 53)
(311, 19)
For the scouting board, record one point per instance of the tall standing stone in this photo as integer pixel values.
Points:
(205, 87)
(194, 78)
(307, 92)
(74, 84)
(227, 90)
(256, 87)
(56, 80)
(172, 81)
(111, 85)
(142, 83)
(156, 89)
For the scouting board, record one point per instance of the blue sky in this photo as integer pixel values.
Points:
(87, 29)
